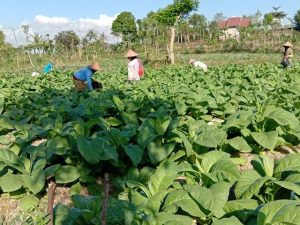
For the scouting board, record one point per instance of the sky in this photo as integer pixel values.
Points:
(45, 16)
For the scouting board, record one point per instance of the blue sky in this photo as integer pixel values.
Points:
(52, 16)
(13, 12)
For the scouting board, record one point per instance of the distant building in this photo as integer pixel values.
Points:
(230, 27)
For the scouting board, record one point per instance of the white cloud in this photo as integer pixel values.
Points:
(39, 19)
(103, 20)
(52, 25)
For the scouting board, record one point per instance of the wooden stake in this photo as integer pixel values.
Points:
(105, 199)
(51, 193)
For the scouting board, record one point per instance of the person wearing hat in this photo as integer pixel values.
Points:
(85, 75)
(135, 67)
(48, 68)
(198, 64)
(287, 55)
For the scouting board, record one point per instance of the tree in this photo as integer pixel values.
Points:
(91, 36)
(5, 48)
(256, 19)
(199, 24)
(268, 19)
(171, 15)
(278, 15)
(37, 43)
(67, 40)
(218, 17)
(297, 20)
(124, 25)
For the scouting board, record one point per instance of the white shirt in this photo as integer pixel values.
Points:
(200, 65)
(133, 70)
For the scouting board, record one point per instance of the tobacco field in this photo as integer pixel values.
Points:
(171, 145)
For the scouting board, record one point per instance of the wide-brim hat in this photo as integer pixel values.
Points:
(131, 53)
(94, 66)
(192, 61)
(287, 44)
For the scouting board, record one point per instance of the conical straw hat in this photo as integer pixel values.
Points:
(192, 61)
(287, 44)
(94, 66)
(131, 53)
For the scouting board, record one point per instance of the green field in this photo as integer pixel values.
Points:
(172, 144)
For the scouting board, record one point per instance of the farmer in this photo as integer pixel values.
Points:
(287, 55)
(48, 68)
(198, 64)
(135, 67)
(85, 75)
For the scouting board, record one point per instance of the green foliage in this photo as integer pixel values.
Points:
(67, 40)
(124, 26)
(268, 19)
(297, 20)
(167, 143)
(176, 11)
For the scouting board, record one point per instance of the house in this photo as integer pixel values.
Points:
(230, 27)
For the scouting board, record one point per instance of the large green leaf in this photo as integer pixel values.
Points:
(96, 150)
(225, 170)
(5, 123)
(211, 138)
(154, 202)
(157, 152)
(239, 119)
(210, 158)
(220, 192)
(171, 219)
(289, 186)
(204, 198)
(181, 199)
(240, 208)
(279, 212)
(58, 145)
(264, 165)
(119, 103)
(228, 221)
(118, 137)
(66, 174)
(8, 157)
(129, 118)
(146, 135)
(29, 203)
(35, 181)
(284, 118)
(10, 182)
(267, 140)
(181, 108)
(160, 124)
(187, 144)
(163, 177)
(135, 153)
(239, 144)
(288, 163)
(64, 215)
(249, 184)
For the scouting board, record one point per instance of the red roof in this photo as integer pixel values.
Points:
(234, 22)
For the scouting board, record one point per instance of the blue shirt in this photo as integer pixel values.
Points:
(48, 68)
(85, 74)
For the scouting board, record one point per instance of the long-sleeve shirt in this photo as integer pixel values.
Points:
(48, 68)
(133, 70)
(200, 65)
(85, 74)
